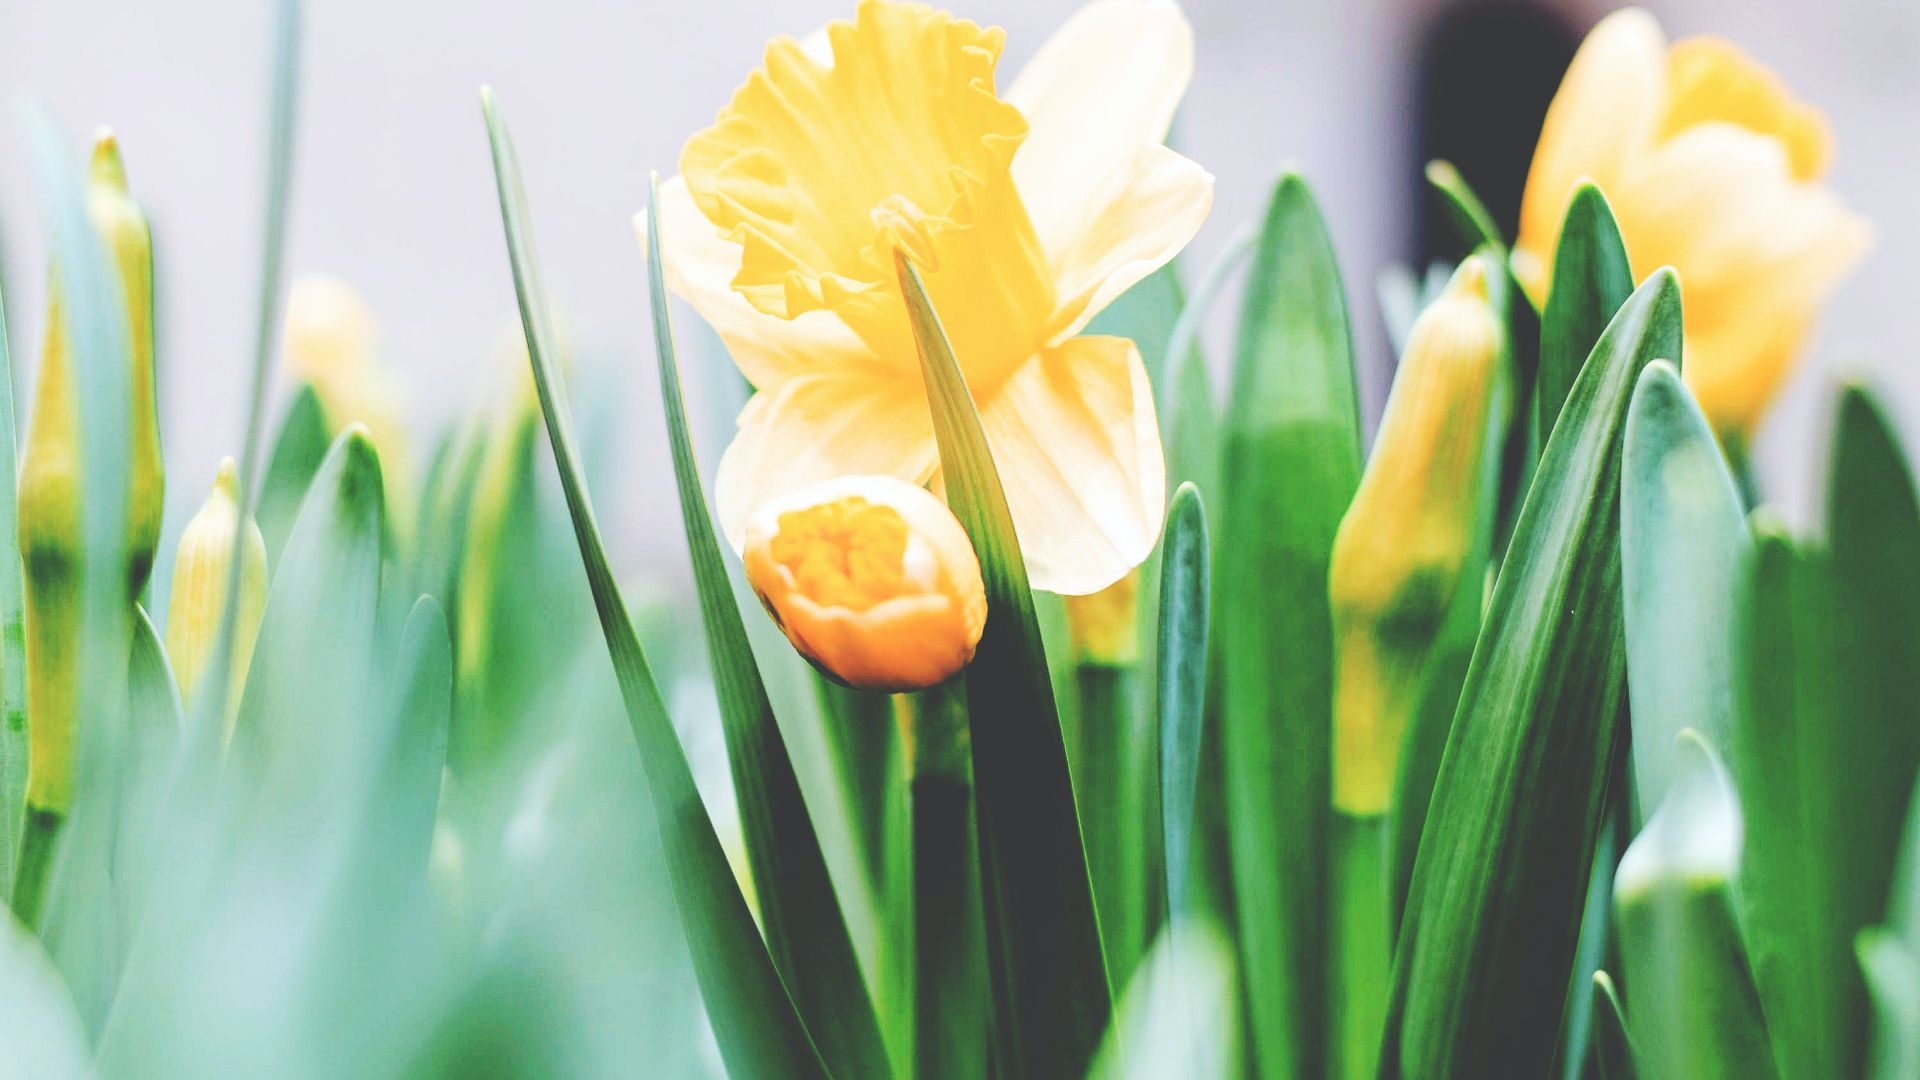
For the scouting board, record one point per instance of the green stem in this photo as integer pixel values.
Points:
(39, 834)
(1361, 956)
(950, 993)
(1115, 777)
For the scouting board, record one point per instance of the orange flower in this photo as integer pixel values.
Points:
(1026, 215)
(1713, 168)
(872, 579)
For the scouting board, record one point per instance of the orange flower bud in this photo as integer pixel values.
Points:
(872, 580)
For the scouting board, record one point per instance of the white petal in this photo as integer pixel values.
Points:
(1141, 221)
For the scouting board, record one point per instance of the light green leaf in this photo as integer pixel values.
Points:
(1179, 1016)
(1050, 989)
(1181, 680)
(13, 642)
(1292, 449)
(1487, 945)
(759, 1031)
(1683, 544)
(297, 452)
(45, 1039)
(1893, 982)
(1146, 315)
(806, 931)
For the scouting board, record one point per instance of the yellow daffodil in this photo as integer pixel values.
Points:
(331, 344)
(1403, 544)
(1712, 167)
(1025, 213)
(872, 580)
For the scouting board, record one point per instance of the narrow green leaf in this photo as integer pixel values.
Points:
(1683, 544)
(154, 723)
(1465, 212)
(415, 757)
(1193, 425)
(1186, 577)
(1612, 1050)
(1893, 982)
(1487, 945)
(13, 640)
(1051, 995)
(754, 1020)
(1292, 449)
(805, 929)
(951, 1001)
(1591, 279)
(297, 452)
(1689, 990)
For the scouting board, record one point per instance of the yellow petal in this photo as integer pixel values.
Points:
(1146, 215)
(817, 427)
(1077, 446)
(701, 265)
(1710, 80)
(1758, 253)
(1603, 116)
(819, 173)
(1102, 88)
(871, 578)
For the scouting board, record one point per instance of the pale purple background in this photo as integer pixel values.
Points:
(393, 188)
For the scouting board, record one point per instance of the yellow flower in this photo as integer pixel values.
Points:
(201, 569)
(331, 344)
(1026, 215)
(1713, 168)
(1402, 546)
(871, 578)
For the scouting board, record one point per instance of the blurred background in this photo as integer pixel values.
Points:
(393, 191)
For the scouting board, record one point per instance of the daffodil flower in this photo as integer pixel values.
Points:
(1026, 215)
(1712, 167)
(871, 578)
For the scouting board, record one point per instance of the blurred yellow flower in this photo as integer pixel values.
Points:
(1712, 167)
(331, 344)
(871, 578)
(1026, 214)
(1403, 544)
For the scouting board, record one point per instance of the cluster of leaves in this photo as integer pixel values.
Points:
(1648, 818)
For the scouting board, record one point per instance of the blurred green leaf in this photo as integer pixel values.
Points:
(297, 452)
(13, 641)
(154, 723)
(1181, 678)
(1145, 315)
(806, 931)
(1612, 1050)
(1493, 914)
(1178, 1016)
(1893, 982)
(44, 1035)
(1690, 994)
(1825, 748)
(1050, 989)
(1465, 212)
(1292, 449)
(1683, 544)
(1591, 279)
(759, 1031)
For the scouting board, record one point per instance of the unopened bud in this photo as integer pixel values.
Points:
(202, 568)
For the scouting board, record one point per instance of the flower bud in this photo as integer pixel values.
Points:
(49, 499)
(872, 580)
(201, 570)
(1402, 547)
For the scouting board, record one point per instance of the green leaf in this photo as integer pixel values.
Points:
(1487, 945)
(297, 452)
(154, 723)
(1292, 449)
(805, 929)
(1825, 748)
(1683, 545)
(1465, 212)
(1178, 1016)
(1893, 982)
(45, 1038)
(1691, 995)
(1193, 419)
(1050, 989)
(415, 756)
(1591, 279)
(754, 1020)
(1181, 680)
(13, 640)
(1146, 314)
(1612, 1050)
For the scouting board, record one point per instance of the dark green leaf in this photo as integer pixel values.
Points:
(1487, 945)
(1591, 279)
(1181, 680)
(1469, 217)
(1292, 449)
(1051, 995)
(1612, 1051)
(754, 1020)
(805, 929)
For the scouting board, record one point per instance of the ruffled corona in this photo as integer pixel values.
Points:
(872, 580)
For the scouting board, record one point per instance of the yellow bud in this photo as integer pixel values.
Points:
(872, 579)
(201, 570)
(1104, 626)
(1402, 546)
(49, 500)
(332, 345)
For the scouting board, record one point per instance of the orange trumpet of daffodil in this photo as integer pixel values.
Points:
(1025, 213)
(1712, 167)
